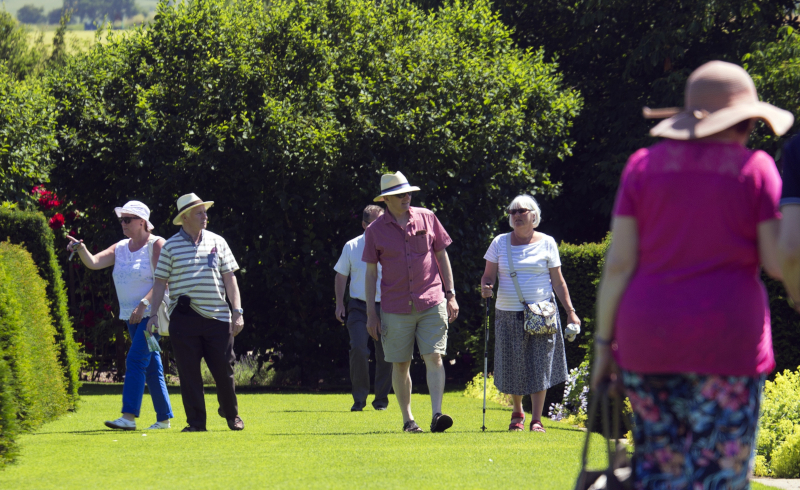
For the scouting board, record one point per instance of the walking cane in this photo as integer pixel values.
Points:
(485, 363)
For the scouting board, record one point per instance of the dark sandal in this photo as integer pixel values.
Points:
(411, 426)
(441, 422)
(517, 426)
(536, 426)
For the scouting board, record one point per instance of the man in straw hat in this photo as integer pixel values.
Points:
(410, 243)
(198, 266)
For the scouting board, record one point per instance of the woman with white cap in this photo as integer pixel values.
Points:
(133, 280)
(682, 316)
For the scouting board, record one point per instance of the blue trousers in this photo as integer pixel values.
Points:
(144, 366)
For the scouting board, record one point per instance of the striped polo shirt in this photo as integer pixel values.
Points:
(196, 271)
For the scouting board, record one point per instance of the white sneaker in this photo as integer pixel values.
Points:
(121, 423)
(159, 425)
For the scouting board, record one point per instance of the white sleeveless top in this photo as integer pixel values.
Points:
(532, 262)
(133, 277)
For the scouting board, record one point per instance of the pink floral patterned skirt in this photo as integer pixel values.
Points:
(693, 431)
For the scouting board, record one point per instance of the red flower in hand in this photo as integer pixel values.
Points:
(107, 307)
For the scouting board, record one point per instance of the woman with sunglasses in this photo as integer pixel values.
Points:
(133, 280)
(526, 364)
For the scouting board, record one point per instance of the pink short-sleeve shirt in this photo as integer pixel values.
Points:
(696, 302)
(410, 270)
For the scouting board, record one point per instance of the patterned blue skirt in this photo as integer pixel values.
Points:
(525, 364)
(692, 431)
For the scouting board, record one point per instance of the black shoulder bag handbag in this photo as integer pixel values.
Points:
(619, 474)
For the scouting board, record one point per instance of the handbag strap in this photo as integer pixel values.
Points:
(601, 393)
(511, 270)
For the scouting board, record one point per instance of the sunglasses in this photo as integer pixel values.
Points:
(401, 196)
(520, 211)
(127, 220)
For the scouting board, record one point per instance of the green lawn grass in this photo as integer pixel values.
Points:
(295, 440)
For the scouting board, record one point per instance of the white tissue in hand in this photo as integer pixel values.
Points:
(571, 331)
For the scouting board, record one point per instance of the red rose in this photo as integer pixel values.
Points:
(107, 307)
(88, 319)
(56, 221)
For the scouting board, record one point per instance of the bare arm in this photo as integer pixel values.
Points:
(370, 287)
(621, 262)
(768, 247)
(561, 290)
(447, 279)
(488, 279)
(94, 262)
(340, 285)
(789, 250)
(232, 290)
(159, 286)
(138, 312)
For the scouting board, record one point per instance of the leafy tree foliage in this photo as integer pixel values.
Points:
(30, 14)
(775, 68)
(623, 55)
(100, 9)
(19, 58)
(27, 136)
(286, 115)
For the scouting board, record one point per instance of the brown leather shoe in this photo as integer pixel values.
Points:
(236, 424)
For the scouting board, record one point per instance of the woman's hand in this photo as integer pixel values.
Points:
(486, 290)
(74, 244)
(572, 317)
(137, 314)
(606, 370)
(152, 324)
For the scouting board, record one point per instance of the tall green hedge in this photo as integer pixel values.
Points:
(31, 229)
(581, 266)
(286, 113)
(34, 387)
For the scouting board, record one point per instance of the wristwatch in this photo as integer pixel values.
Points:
(146, 302)
(451, 291)
(239, 311)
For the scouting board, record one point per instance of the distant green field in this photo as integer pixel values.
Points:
(48, 5)
(76, 40)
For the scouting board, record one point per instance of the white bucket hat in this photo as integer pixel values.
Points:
(187, 202)
(136, 208)
(718, 95)
(392, 184)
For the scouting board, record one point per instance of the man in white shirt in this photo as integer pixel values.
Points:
(350, 264)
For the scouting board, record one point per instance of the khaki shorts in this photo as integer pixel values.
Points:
(398, 332)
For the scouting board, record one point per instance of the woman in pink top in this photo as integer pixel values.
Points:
(683, 319)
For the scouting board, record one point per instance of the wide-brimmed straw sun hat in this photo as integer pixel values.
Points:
(718, 95)
(136, 208)
(394, 184)
(187, 202)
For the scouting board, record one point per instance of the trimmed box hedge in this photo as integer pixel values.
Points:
(33, 389)
(31, 230)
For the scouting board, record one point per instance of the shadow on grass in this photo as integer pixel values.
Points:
(91, 432)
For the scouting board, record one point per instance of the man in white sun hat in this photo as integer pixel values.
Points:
(198, 266)
(410, 243)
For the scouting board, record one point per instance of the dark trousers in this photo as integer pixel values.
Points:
(359, 357)
(193, 338)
